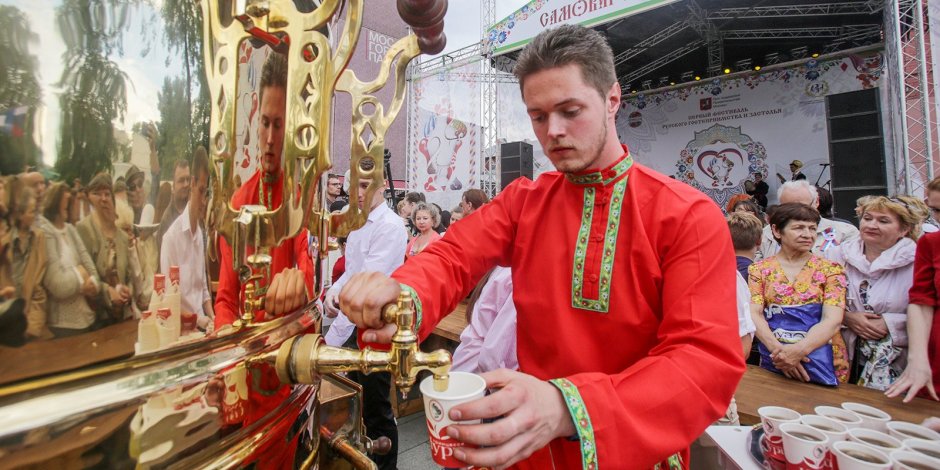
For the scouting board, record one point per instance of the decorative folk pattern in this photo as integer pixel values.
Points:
(612, 228)
(582, 422)
(417, 303)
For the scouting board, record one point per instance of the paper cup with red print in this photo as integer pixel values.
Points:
(805, 447)
(462, 387)
(235, 394)
(771, 418)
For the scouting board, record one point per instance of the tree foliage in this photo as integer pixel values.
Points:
(183, 27)
(94, 88)
(174, 141)
(19, 86)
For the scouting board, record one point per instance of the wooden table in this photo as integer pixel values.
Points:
(39, 358)
(452, 325)
(760, 387)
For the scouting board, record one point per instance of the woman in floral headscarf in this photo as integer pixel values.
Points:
(797, 303)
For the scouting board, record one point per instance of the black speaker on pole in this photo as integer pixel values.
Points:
(515, 162)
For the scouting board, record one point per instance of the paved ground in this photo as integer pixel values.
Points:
(414, 452)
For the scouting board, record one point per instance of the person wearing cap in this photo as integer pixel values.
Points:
(136, 197)
(795, 167)
(109, 248)
(184, 244)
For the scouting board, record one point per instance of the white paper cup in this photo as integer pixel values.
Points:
(904, 430)
(909, 460)
(929, 448)
(855, 456)
(771, 418)
(875, 439)
(834, 430)
(872, 418)
(805, 447)
(462, 387)
(849, 419)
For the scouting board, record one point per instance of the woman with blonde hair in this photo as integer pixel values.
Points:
(879, 266)
(426, 217)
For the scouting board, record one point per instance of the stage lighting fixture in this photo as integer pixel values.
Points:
(687, 77)
(727, 71)
(799, 52)
(697, 78)
(772, 58)
(815, 55)
(757, 68)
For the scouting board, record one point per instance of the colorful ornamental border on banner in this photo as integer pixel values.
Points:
(516, 30)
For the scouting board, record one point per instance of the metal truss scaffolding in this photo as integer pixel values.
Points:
(864, 30)
(820, 9)
(489, 174)
(916, 146)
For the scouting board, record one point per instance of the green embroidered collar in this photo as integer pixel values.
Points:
(605, 176)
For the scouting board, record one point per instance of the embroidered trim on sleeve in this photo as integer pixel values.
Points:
(582, 422)
(417, 303)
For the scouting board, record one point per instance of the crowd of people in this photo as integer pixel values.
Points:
(76, 258)
(604, 248)
(836, 304)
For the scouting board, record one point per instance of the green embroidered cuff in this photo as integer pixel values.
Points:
(417, 302)
(582, 421)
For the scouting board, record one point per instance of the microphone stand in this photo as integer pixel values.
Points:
(387, 158)
(824, 165)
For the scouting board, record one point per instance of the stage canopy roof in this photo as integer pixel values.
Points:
(657, 43)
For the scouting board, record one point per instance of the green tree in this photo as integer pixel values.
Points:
(19, 87)
(94, 88)
(174, 141)
(183, 28)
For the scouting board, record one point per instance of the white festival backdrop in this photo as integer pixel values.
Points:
(716, 134)
(445, 135)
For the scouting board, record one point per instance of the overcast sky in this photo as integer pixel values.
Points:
(462, 23)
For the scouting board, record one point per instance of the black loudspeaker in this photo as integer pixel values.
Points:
(515, 162)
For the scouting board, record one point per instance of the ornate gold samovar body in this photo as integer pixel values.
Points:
(186, 406)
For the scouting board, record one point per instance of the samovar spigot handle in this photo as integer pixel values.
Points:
(407, 358)
(303, 359)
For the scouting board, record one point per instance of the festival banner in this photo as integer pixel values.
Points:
(516, 30)
(445, 135)
(716, 135)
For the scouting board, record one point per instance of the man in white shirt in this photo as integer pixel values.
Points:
(829, 233)
(184, 245)
(378, 246)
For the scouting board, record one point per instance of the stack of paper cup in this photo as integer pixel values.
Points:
(165, 328)
(771, 418)
(147, 337)
(804, 447)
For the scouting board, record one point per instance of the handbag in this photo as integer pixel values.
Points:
(790, 324)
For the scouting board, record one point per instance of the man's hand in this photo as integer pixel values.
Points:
(533, 413)
(866, 325)
(362, 300)
(286, 293)
(916, 376)
(331, 303)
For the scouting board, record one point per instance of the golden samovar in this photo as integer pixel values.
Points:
(184, 406)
